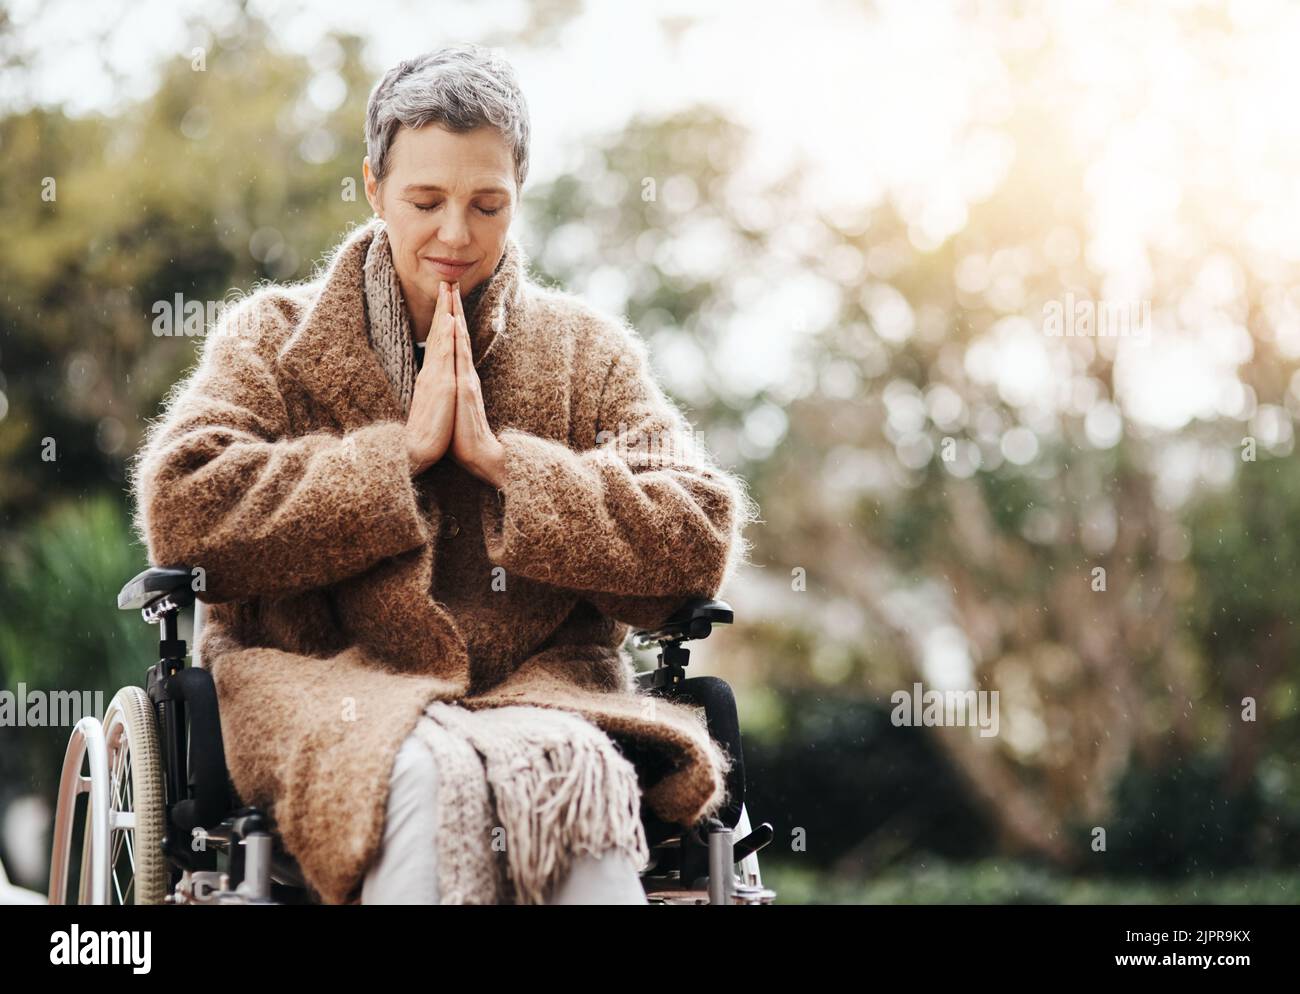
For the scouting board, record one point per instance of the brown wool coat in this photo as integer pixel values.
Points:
(344, 595)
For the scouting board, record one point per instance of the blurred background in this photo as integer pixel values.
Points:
(861, 219)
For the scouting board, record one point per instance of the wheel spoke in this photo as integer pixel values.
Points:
(119, 837)
(123, 840)
(121, 802)
(130, 888)
(127, 780)
(117, 887)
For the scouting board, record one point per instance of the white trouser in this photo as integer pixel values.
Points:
(406, 869)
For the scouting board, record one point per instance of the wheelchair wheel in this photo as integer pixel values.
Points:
(137, 871)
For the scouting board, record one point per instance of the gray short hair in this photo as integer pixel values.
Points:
(461, 87)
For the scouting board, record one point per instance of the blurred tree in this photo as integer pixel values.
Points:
(1064, 571)
(230, 174)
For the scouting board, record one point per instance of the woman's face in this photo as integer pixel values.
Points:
(447, 196)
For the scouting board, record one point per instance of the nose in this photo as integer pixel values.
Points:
(454, 232)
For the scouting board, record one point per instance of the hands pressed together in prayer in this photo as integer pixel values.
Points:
(447, 412)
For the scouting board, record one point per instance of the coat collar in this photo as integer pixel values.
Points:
(330, 355)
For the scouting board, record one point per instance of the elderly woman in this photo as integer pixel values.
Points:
(426, 498)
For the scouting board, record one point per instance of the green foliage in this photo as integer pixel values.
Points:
(59, 584)
(1010, 495)
(1246, 553)
(60, 629)
(1176, 818)
(989, 881)
(863, 792)
(220, 180)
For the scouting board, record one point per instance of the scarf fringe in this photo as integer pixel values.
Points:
(561, 788)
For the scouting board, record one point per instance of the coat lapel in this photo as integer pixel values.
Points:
(330, 353)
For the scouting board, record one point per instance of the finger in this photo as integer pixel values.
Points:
(458, 305)
(447, 340)
(473, 370)
(438, 333)
(431, 352)
(456, 309)
(466, 353)
(452, 342)
(462, 327)
(439, 308)
(454, 338)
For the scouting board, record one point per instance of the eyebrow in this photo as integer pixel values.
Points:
(434, 188)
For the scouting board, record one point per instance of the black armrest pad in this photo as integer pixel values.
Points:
(153, 583)
(695, 620)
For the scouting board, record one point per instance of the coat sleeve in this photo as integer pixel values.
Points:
(636, 523)
(222, 484)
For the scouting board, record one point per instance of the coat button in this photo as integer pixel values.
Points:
(453, 526)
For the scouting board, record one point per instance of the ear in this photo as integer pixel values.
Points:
(371, 187)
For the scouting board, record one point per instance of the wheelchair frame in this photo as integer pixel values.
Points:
(158, 790)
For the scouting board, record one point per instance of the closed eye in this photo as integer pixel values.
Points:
(483, 210)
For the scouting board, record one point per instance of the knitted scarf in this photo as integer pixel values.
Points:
(522, 790)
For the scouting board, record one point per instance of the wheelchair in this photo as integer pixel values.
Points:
(163, 824)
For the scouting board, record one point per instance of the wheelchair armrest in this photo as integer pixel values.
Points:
(154, 583)
(208, 796)
(695, 620)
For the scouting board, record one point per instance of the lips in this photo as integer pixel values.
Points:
(451, 265)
